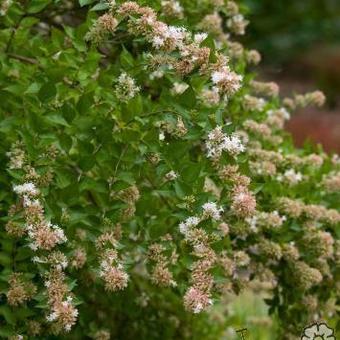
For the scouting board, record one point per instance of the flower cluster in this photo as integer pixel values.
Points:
(290, 177)
(44, 237)
(126, 88)
(225, 80)
(63, 312)
(331, 182)
(172, 8)
(237, 24)
(17, 156)
(316, 98)
(243, 201)
(218, 142)
(252, 103)
(111, 269)
(270, 89)
(20, 290)
(101, 28)
(161, 274)
(43, 234)
(5, 5)
(198, 296)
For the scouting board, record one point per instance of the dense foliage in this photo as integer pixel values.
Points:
(145, 175)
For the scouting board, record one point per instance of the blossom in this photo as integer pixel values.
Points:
(253, 57)
(172, 8)
(196, 300)
(243, 201)
(210, 97)
(226, 80)
(168, 37)
(199, 37)
(16, 156)
(252, 103)
(233, 145)
(64, 314)
(28, 188)
(210, 209)
(5, 5)
(171, 175)
(190, 222)
(115, 278)
(218, 142)
(237, 24)
(45, 235)
(126, 88)
(156, 74)
(267, 89)
(105, 24)
(179, 88)
(291, 177)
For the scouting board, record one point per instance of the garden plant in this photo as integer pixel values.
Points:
(146, 174)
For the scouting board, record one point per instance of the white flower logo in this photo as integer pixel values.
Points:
(318, 331)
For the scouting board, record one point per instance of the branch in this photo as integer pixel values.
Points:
(23, 58)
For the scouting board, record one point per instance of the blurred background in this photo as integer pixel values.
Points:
(300, 45)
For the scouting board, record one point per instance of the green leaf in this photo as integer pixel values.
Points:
(85, 2)
(6, 331)
(188, 98)
(126, 59)
(63, 178)
(37, 6)
(9, 315)
(5, 259)
(56, 119)
(100, 7)
(47, 92)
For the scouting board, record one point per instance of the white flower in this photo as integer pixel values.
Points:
(157, 41)
(179, 88)
(176, 33)
(37, 259)
(199, 37)
(282, 111)
(217, 76)
(126, 88)
(291, 177)
(253, 103)
(210, 209)
(318, 331)
(156, 74)
(53, 316)
(33, 246)
(227, 80)
(218, 142)
(171, 175)
(252, 221)
(175, 7)
(190, 222)
(28, 188)
(233, 145)
(161, 136)
(27, 202)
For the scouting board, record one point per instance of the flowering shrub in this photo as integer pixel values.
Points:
(145, 174)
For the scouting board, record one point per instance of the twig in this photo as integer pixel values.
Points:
(23, 58)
